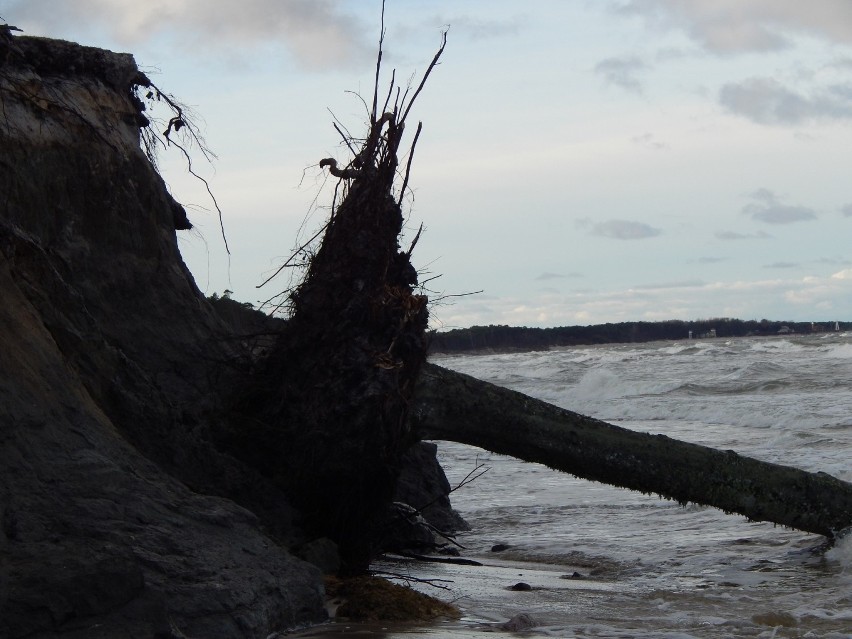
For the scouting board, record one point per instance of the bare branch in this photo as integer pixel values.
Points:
(374, 113)
(346, 138)
(293, 256)
(408, 170)
(346, 174)
(206, 186)
(390, 91)
(435, 583)
(414, 241)
(432, 65)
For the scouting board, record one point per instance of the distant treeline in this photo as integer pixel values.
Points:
(500, 338)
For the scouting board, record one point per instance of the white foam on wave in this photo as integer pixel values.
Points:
(775, 346)
(841, 552)
(602, 383)
(839, 351)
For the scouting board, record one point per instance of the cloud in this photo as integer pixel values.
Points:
(845, 274)
(733, 235)
(767, 101)
(619, 229)
(735, 26)
(833, 261)
(766, 208)
(555, 276)
(711, 260)
(648, 141)
(317, 33)
(669, 285)
(846, 209)
(782, 265)
(795, 299)
(622, 72)
(480, 28)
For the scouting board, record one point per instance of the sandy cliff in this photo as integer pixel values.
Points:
(109, 376)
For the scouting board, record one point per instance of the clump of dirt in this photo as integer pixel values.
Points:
(370, 598)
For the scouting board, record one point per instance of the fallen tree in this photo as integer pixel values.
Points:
(456, 407)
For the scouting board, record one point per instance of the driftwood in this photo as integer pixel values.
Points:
(456, 407)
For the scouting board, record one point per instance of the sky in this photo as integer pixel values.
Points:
(581, 161)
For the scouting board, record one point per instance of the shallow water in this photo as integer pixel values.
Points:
(607, 562)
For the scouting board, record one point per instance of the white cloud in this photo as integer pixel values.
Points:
(670, 285)
(802, 299)
(648, 141)
(478, 28)
(556, 276)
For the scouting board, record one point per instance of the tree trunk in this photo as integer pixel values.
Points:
(456, 407)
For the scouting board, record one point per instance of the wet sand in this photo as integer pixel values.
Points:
(486, 597)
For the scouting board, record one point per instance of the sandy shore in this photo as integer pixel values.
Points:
(486, 598)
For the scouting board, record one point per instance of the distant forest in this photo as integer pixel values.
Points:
(511, 338)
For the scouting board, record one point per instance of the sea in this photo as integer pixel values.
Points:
(584, 559)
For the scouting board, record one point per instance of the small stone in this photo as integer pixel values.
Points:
(499, 547)
(521, 585)
(519, 622)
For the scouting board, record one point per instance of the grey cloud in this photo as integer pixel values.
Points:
(834, 261)
(317, 33)
(843, 64)
(733, 235)
(756, 25)
(624, 230)
(711, 260)
(767, 208)
(846, 209)
(782, 265)
(667, 285)
(622, 72)
(767, 101)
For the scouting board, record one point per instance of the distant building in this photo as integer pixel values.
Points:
(784, 330)
(710, 333)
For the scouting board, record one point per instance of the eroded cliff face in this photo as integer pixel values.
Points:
(109, 373)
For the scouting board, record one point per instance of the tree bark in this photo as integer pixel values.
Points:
(456, 407)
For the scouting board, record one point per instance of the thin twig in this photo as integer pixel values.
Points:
(459, 561)
(426, 75)
(435, 583)
(414, 242)
(408, 172)
(390, 91)
(345, 138)
(293, 256)
(373, 113)
(209, 191)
